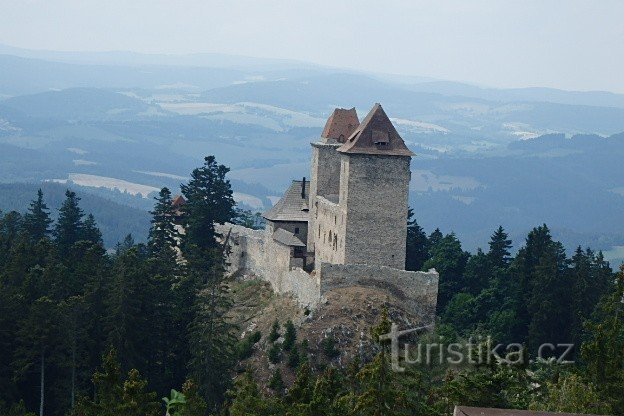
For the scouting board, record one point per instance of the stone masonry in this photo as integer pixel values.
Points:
(346, 227)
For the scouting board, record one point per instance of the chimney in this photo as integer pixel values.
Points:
(303, 188)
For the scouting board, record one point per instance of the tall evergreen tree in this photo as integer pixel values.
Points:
(69, 226)
(39, 335)
(209, 201)
(500, 246)
(37, 220)
(603, 350)
(90, 231)
(130, 310)
(449, 259)
(163, 236)
(212, 341)
(417, 244)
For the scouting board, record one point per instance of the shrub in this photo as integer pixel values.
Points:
(274, 354)
(274, 335)
(290, 336)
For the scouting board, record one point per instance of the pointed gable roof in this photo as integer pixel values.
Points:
(376, 136)
(340, 125)
(293, 206)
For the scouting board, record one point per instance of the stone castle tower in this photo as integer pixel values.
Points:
(346, 227)
(359, 191)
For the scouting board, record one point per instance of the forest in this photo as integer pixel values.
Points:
(142, 330)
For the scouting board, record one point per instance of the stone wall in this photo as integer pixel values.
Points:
(255, 253)
(324, 179)
(298, 228)
(417, 290)
(374, 195)
(329, 233)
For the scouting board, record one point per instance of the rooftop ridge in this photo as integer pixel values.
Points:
(376, 135)
(340, 124)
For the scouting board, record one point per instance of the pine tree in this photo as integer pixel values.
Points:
(500, 247)
(136, 400)
(90, 231)
(126, 244)
(274, 334)
(209, 201)
(417, 245)
(212, 343)
(550, 297)
(39, 336)
(37, 221)
(68, 229)
(246, 398)
(130, 310)
(290, 336)
(276, 383)
(163, 235)
(448, 258)
(293, 357)
(603, 350)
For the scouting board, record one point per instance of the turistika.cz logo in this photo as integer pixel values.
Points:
(473, 352)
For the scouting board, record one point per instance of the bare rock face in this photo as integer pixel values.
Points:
(345, 316)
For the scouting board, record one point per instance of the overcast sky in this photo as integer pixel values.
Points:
(571, 44)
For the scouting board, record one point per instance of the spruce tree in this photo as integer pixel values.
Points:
(448, 258)
(69, 226)
(90, 231)
(163, 234)
(39, 336)
(276, 383)
(211, 339)
(290, 336)
(209, 201)
(417, 244)
(37, 220)
(603, 350)
(500, 246)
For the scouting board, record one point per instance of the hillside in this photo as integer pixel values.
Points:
(114, 220)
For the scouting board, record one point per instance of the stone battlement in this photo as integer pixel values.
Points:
(253, 253)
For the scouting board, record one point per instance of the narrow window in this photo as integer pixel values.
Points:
(296, 230)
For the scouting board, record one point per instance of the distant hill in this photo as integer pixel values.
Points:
(114, 220)
(78, 104)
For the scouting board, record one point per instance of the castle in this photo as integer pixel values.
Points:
(347, 226)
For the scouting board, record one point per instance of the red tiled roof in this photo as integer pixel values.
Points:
(340, 124)
(479, 411)
(376, 135)
(178, 201)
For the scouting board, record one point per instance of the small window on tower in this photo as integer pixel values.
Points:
(380, 138)
(296, 230)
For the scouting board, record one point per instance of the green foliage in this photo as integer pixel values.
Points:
(328, 346)
(68, 229)
(276, 383)
(195, 404)
(572, 394)
(114, 396)
(174, 403)
(294, 358)
(37, 220)
(290, 336)
(417, 244)
(163, 236)
(274, 354)
(208, 201)
(603, 350)
(275, 334)
(244, 347)
(249, 219)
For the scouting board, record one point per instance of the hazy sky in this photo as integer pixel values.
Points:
(571, 44)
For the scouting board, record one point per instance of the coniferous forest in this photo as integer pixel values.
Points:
(87, 331)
